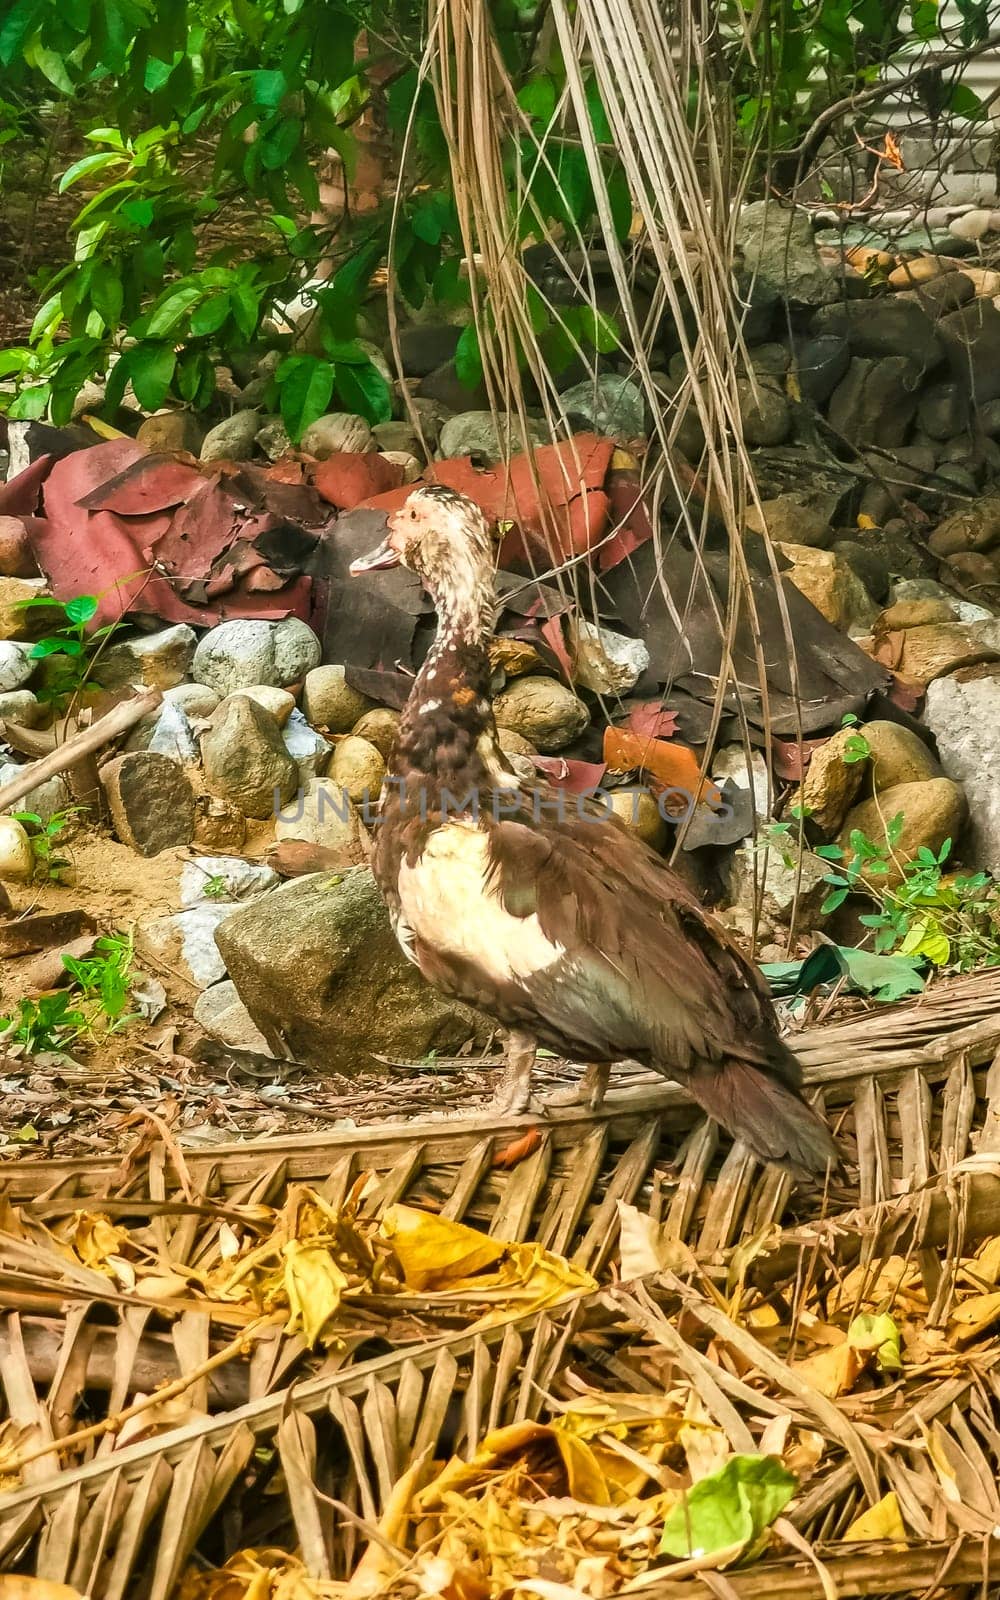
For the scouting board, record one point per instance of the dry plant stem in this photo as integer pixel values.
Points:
(84, 743)
(70, 1441)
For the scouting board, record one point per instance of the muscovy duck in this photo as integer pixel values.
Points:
(561, 925)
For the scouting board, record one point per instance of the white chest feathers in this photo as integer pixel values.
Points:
(445, 900)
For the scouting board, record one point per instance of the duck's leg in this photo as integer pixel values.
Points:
(589, 1091)
(514, 1094)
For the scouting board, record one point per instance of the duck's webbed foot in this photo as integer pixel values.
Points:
(513, 1096)
(588, 1091)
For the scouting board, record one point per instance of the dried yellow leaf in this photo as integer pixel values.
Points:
(881, 1521)
(865, 521)
(433, 1252)
(646, 1247)
(314, 1285)
(94, 1238)
(973, 1316)
(833, 1372)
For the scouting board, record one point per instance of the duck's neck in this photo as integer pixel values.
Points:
(448, 722)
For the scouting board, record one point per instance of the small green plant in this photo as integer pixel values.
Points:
(215, 887)
(50, 863)
(49, 1023)
(949, 920)
(71, 641)
(103, 977)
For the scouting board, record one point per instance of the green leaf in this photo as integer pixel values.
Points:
(269, 88)
(728, 1509)
(364, 390)
(305, 385)
(87, 164)
(964, 102)
(49, 647)
(468, 360)
(20, 21)
(172, 310)
(833, 900)
(246, 308)
(141, 212)
(107, 294)
(151, 368)
(538, 98)
(878, 1333)
(210, 315)
(81, 608)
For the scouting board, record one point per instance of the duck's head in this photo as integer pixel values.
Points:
(444, 538)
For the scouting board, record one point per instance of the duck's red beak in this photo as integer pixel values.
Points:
(376, 560)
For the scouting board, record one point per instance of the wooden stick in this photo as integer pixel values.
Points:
(84, 743)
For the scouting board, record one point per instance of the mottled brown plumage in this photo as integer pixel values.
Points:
(561, 925)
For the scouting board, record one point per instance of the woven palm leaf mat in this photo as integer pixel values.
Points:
(263, 1370)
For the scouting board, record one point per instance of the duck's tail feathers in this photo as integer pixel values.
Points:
(766, 1113)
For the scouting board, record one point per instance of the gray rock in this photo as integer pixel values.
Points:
(820, 481)
(474, 433)
(194, 699)
(233, 438)
(433, 414)
(789, 882)
(422, 349)
(607, 662)
(337, 431)
(153, 660)
(172, 735)
(21, 706)
(963, 713)
(988, 418)
(245, 759)
(307, 748)
(820, 364)
(321, 813)
(446, 390)
(222, 1014)
(943, 410)
(940, 295)
(330, 702)
(151, 801)
(15, 665)
(319, 970)
(243, 654)
(224, 880)
(184, 942)
(869, 565)
(400, 437)
(890, 326)
(273, 439)
(46, 800)
(765, 415)
(612, 405)
(791, 519)
(876, 401)
(778, 248)
(972, 335)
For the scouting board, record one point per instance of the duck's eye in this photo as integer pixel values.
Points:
(413, 516)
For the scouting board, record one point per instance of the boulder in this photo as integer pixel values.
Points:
(933, 810)
(790, 519)
(151, 801)
(875, 401)
(398, 438)
(47, 799)
(184, 942)
(608, 405)
(891, 326)
(244, 654)
(938, 648)
(233, 438)
(820, 363)
(963, 713)
(358, 767)
(21, 706)
(606, 662)
(475, 433)
(422, 349)
(159, 660)
(974, 527)
(16, 557)
(329, 701)
(898, 755)
(922, 269)
(409, 466)
(196, 700)
(337, 431)
(764, 413)
(171, 433)
(307, 748)
(273, 439)
(378, 727)
(321, 813)
(831, 585)
(971, 224)
(222, 1014)
(17, 621)
(17, 858)
(279, 702)
(782, 881)
(833, 778)
(224, 880)
(943, 410)
(245, 759)
(640, 814)
(972, 336)
(318, 968)
(779, 250)
(543, 710)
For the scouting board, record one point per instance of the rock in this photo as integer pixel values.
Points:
(921, 270)
(329, 701)
(170, 433)
(898, 755)
(408, 465)
(820, 364)
(194, 699)
(224, 880)
(975, 527)
(831, 782)
(893, 326)
(971, 224)
(474, 433)
(729, 766)
(765, 416)
(424, 348)
(606, 662)
(319, 970)
(867, 564)
(219, 825)
(345, 478)
(20, 706)
(17, 858)
(15, 666)
(16, 557)
(359, 770)
(514, 744)
(336, 432)
(943, 409)
(769, 360)
(233, 438)
(17, 622)
(321, 813)
(244, 654)
(151, 660)
(273, 439)
(942, 294)
(543, 710)
(278, 702)
(930, 589)
(779, 250)
(222, 1014)
(307, 748)
(640, 814)
(151, 801)
(985, 280)
(610, 405)
(47, 799)
(378, 727)
(172, 735)
(915, 614)
(940, 647)
(789, 519)
(932, 811)
(789, 882)
(245, 759)
(831, 585)
(445, 389)
(184, 942)
(398, 438)
(875, 402)
(972, 336)
(432, 414)
(963, 713)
